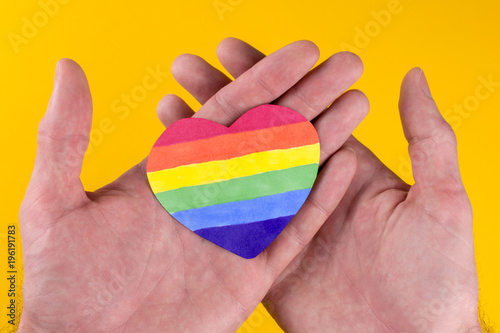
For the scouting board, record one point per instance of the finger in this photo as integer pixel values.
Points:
(172, 108)
(63, 137)
(335, 125)
(202, 80)
(319, 88)
(313, 93)
(263, 83)
(432, 142)
(328, 190)
(237, 56)
(198, 77)
(342, 117)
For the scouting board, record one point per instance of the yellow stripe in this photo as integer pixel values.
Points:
(247, 165)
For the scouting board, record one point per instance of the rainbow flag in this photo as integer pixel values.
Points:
(239, 186)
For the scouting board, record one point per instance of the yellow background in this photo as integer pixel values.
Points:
(455, 42)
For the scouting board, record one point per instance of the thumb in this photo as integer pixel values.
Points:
(63, 136)
(431, 141)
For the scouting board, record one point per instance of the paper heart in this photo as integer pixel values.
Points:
(237, 187)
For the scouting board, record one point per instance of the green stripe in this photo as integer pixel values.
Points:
(238, 189)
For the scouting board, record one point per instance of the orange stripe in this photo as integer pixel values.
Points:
(228, 146)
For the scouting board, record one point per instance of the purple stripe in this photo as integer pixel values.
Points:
(246, 240)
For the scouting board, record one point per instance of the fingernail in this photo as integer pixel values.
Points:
(422, 81)
(351, 149)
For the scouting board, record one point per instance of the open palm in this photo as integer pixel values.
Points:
(115, 261)
(391, 257)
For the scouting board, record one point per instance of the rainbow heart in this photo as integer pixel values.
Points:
(237, 187)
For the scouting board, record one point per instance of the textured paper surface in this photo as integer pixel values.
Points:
(239, 186)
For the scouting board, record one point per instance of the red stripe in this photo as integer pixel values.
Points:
(263, 116)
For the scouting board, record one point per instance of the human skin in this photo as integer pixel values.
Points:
(114, 260)
(391, 257)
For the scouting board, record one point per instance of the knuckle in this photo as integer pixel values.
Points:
(447, 134)
(226, 108)
(259, 79)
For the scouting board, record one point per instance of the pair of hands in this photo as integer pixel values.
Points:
(365, 253)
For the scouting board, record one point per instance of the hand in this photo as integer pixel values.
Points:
(115, 261)
(391, 257)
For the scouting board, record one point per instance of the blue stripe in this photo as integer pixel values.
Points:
(246, 211)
